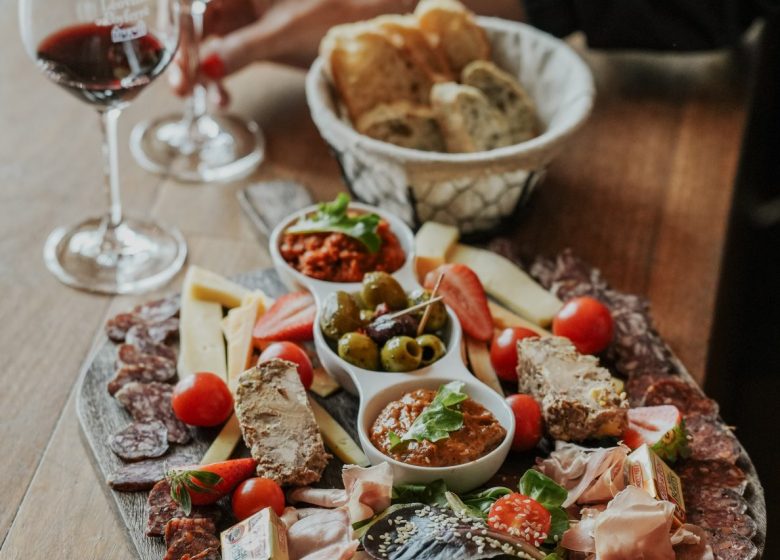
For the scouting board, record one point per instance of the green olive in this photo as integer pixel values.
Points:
(380, 287)
(401, 353)
(340, 314)
(366, 315)
(359, 350)
(432, 348)
(437, 318)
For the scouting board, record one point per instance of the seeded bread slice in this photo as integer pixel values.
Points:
(403, 124)
(451, 27)
(367, 69)
(506, 94)
(467, 119)
(404, 33)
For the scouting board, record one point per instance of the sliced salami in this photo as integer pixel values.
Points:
(160, 509)
(685, 396)
(117, 326)
(178, 526)
(140, 440)
(711, 440)
(140, 337)
(128, 355)
(731, 547)
(637, 385)
(158, 310)
(698, 474)
(164, 372)
(208, 554)
(152, 401)
(143, 475)
(709, 498)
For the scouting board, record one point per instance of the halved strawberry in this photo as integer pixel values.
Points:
(660, 427)
(291, 317)
(464, 293)
(205, 484)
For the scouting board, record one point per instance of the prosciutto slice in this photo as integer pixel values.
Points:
(591, 476)
(323, 497)
(369, 490)
(325, 535)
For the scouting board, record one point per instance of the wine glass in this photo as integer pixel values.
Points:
(197, 146)
(105, 52)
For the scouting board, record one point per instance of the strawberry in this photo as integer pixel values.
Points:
(291, 317)
(660, 427)
(464, 293)
(205, 484)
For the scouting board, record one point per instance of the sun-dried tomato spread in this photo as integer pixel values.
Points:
(336, 257)
(481, 433)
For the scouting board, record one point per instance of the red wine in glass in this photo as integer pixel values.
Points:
(103, 65)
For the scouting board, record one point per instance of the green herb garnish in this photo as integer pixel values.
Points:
(182, 481)
(333, 217)
(438, 419)
(549, 494)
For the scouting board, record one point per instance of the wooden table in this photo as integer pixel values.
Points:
(643, 192)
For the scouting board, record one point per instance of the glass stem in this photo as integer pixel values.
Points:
(196, 105)
(108, 120)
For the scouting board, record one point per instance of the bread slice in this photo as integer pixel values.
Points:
(367, 69)
(403, 124)
(404, 32)
(469, 122)
(451, 27)
(507, 95)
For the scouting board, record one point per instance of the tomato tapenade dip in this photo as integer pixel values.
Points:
(480, 434)
(336, 257)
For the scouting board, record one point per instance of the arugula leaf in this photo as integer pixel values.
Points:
(551, 495)
(333, 217)
(432, 493)
(438, 419)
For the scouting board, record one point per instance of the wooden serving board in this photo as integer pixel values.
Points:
(100, 416)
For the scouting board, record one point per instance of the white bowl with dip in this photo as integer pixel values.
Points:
(378, 388)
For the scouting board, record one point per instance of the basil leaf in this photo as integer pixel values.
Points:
(439, 418)
(432, 493)
(484, 500)
(559, 523)
(543, 489)
(333, 217)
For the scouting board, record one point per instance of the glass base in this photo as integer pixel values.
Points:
(134, 257)
(215, 148)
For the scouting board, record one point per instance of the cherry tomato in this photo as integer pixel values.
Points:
(586, 322)
(202, 399)
(503, 351)
(528, 421)
(522, 517)
(293, 353)
(255, 494)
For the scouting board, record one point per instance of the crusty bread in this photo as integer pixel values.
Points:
(404, 33)
(367, 69)
(450, 26)
(507, 95)
(403, 124)
(469, 122)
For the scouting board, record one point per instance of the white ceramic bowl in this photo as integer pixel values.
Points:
(376, 389)
(477, 192)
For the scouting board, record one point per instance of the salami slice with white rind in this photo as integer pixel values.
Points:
(158, 310)
(140, 337)
(163, 373)
(140, 440)
(152, 401)
(117, 326)
(130, 355)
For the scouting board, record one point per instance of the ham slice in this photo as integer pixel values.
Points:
(323, 497)
(369, 490)
(591, 476)
(326, 534)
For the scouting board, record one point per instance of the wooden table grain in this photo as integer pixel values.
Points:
(643, 192)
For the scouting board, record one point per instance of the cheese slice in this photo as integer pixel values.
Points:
(479, 358)
(507, 283)
(504, 319)
(336, 437)
(237, 327)
(224, 444)
(323, 384)
(201, 346)
(431, 244)
(210, 286)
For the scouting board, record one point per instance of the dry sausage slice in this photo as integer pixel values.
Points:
(161, 508)
(711, 440)
(140, 337)
(140, 440)
(152, 401)
(163, 371)
(158, 310)
(688, 398)
(117, 326)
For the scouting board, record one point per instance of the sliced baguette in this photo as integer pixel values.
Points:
(403, 124)
(467, 119)
(506, 94)
(451, 27)
(404, 32)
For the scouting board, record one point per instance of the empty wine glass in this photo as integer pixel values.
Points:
(105, 52)
(198, 146)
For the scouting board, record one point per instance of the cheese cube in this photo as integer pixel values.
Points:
(259, 537)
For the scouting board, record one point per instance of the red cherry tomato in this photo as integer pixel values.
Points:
(503, 351)
(255, 494)
(202, 399)
(292, 353)
(522, 517)
(586, 322)
(528, 421)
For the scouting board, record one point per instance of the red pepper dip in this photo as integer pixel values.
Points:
(336, 257)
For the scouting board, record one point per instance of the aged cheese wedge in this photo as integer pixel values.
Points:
(210, 286)
(323, 384)
(336, 438)
(508, 284)
(224, 444)
(479, 358)
(431, 244)
(503, 319)
(201, 346)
